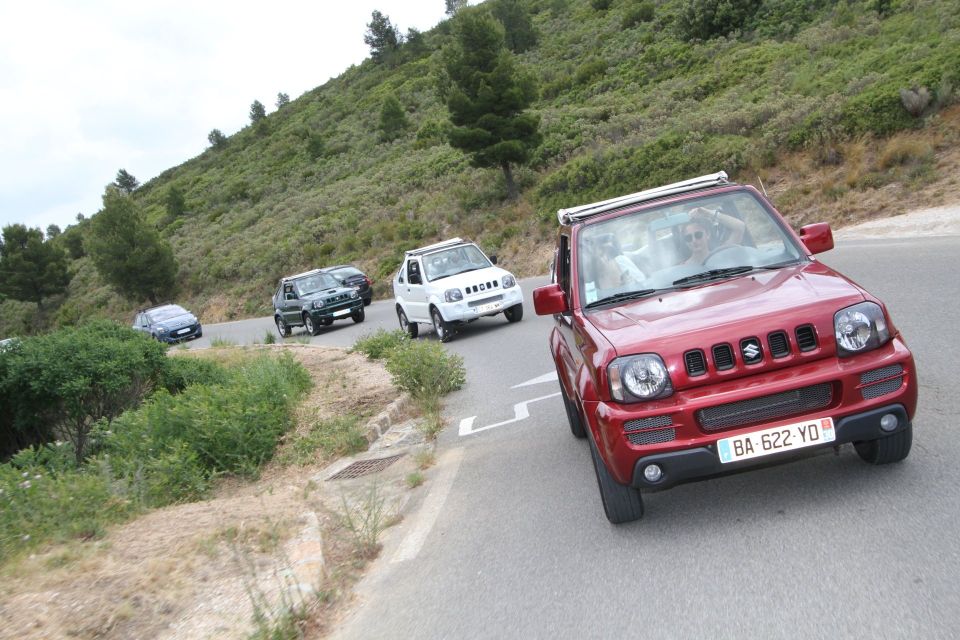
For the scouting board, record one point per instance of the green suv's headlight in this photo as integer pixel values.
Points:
(354, 295)
(640, 377)
(318, 304)
(860, 328)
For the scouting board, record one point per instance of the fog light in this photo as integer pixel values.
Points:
(889, 422)
(652, 473)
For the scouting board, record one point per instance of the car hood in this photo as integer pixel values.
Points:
(728, 310)
(176, 322)
(334, 294)
(482, 279)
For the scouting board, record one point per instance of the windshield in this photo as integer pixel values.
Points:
(346, 272)
(679, 245)
(450, 262)
(165, 313)
(314, 283)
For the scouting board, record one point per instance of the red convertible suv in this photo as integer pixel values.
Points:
(695, 334)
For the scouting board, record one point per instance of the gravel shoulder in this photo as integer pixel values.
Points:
(934, 222)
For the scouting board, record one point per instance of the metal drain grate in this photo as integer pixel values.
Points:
(363, 467)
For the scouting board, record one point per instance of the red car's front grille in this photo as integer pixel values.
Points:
(766, 408)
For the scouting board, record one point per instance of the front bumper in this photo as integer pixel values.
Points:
(183, 333)
(701, 463)
(480, 306)
(339, 311)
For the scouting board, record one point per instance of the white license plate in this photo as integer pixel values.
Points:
(341, 313)
(492, 306)
(182, 331)
(776, 439)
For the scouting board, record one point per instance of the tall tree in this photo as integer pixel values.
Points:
(175, 202)
(257, 112)
(53, 231)
(393, 120)
(31, 269)
(126, 181)
(382, 37)
(129, 253)
(216, 139)
(519, 33)
(282, 100)
(488, 96)
(454, 5)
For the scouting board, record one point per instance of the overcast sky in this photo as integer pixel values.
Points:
(88, 87)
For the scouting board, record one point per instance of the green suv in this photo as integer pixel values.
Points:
(312, 300)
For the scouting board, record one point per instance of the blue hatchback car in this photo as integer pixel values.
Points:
(168, 323)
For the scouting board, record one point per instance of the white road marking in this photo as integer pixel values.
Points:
(547, 377)
(448, 467)
(520, 412)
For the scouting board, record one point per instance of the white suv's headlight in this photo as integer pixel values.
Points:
(453, 295)
(640, 377)
(860, 328)
(509, 281)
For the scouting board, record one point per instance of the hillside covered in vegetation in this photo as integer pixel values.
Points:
(631, 94)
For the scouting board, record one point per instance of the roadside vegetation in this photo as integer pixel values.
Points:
(807, 95)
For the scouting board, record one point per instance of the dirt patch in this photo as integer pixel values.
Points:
(196, 570)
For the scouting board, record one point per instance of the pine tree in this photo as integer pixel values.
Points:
(382, 37)
(128, 253)
(257, 112)
(488, 96)
(519, 33)
(393, 120)
(216, 139)
(126, 182)
(454, 5)
(282, 100)
(31, 269)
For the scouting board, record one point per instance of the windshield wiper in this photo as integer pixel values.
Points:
(620, 297)
(714, 274)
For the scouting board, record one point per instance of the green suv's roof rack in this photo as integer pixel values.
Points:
(575, 214)
(300, 275)
(432, 247)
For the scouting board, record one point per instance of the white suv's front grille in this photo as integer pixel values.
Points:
(480, 301)
(480, 287)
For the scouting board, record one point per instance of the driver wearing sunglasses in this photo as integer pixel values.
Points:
(697, 232)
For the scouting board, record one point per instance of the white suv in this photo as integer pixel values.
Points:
(451, 283)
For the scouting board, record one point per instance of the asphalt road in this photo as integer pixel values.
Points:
(508, 539)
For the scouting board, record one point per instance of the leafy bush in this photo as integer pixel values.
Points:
(60, 384)
(339, 436)
(425, 370)
(638, 13)
(601, 5)
(705, 19)
(185, 370)
(379, 345)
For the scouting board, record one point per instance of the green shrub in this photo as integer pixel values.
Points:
(339, 436)
(601, 5)
(705, 19)
(425, 370)
(174, 475)
(183, 371)
(589, 70)
(379, 345)
(638, 13)
(62, 383)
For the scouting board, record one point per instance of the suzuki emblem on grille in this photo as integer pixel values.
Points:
(751, 350)
(482, 287)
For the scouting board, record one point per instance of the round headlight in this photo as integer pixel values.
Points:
(860, 328)
(354, 294)
(318, 304)
(452, 295)
(641, 377)
(509, 281)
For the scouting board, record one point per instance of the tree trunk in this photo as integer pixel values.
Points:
(508, 178)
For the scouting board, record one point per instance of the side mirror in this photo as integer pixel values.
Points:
(817, 237)
(493, 258)
(549, 300)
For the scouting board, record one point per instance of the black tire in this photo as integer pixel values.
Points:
(358, 315)
(573, 416)
(282, 327)
(440, 326)
(412, 328)
(308, 324)
(620, 503)
(514, 313)
(892, 448)
(367, 301)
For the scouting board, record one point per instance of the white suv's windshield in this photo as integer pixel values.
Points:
(680, 245)
(450, 262)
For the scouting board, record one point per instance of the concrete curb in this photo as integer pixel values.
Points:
(378, 425)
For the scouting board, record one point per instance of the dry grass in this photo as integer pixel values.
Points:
(173, 573)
